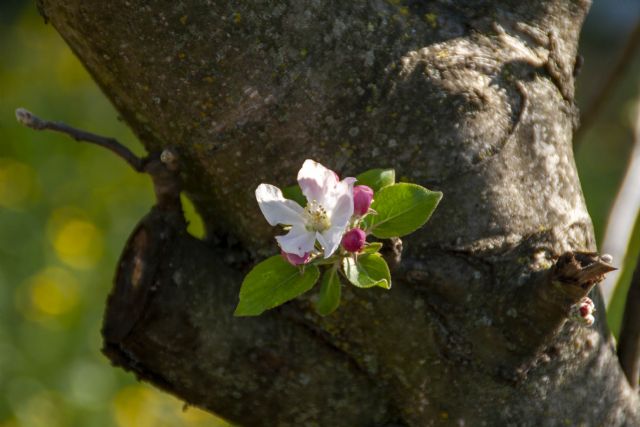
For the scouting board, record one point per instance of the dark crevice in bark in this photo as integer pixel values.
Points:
(167, 323)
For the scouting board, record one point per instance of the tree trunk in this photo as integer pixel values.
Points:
(472, 98)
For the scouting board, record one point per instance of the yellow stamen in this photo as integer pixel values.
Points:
(317, 218)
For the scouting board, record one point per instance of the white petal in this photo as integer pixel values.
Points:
(275, 208)
(330, 239)
(316, 181)
(343, 189)
(342, 211)
(349, 181)
(298, 241)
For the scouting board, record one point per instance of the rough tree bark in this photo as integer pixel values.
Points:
(472, 98)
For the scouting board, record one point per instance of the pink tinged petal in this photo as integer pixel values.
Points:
(294, 259)
(316, 181)
(342, 189)
(362, 198)
(298, 241)
(276, 209)
(330, 240)
(354, 240)
(349, 181)
(342, 211)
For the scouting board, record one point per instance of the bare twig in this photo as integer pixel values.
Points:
(613, 78)
(622, 218)
(629, 347)
(161, 167)
(583, 269)
(29, 119)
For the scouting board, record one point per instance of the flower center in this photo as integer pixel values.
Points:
(316, 216)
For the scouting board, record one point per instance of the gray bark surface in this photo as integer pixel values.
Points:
(472, 98)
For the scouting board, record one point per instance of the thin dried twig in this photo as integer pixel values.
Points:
(32, 121)
(610, 83)
(161, 167)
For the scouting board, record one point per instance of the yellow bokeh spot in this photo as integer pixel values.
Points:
(16, 183)
(130, 407)
(53, 292)
(142, 406)
(77, 242)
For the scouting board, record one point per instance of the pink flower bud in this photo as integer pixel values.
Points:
(354, 240)
(584, 311)
(294, 259)
(362, 198)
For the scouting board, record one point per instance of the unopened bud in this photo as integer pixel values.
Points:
(354, 240)
(584, 310)
(26, 118)
(362, 198)
(169, 158)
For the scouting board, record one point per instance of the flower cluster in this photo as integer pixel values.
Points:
(331, 217)
(327, 221)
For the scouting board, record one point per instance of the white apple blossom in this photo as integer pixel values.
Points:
(325, 218)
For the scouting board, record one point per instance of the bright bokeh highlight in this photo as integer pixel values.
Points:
(140, 406)
(53, 292)
(78, 243)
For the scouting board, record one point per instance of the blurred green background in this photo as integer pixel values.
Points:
(66, 210)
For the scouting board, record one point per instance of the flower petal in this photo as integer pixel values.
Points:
(316, 181)
(342, 209)
(294, 259)
(298, 241)
(330, 239)
(275, 208)
(342, 212)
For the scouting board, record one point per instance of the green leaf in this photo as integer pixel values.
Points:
(329, 292)
(401, 209)
(372, 248)
(367, 271)
(271, 283)
(377, 178)
(295, 193)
